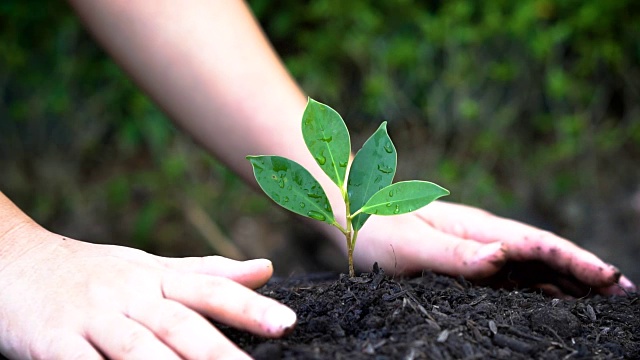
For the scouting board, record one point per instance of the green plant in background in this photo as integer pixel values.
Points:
(366, 191)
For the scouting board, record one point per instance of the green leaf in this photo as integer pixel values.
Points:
(403, 197)
(372, 169)
(291, 186)
(327, 138)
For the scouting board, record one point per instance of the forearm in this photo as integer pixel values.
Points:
(207, 64)
(211, 69)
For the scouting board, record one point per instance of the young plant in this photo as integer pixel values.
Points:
(367, 191)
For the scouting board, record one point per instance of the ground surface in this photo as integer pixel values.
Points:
(435, 317)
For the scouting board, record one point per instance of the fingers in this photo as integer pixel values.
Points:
(537, 275)
(229, 302)
(528, 243)
(623, 287)
(119, 337)
(428, 248)
(187, 333)
(251, 273)
(523, 242)
(628, 286)
(448, 255)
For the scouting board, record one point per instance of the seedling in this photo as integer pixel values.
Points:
(368, 189)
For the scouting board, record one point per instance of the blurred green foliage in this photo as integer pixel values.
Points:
(529, 108)
(529, 104)
(534, 89)
(84, 152)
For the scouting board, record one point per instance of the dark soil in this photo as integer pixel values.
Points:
(374, 316)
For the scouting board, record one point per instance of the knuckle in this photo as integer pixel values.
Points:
(461, 252)
(173, 323)
(134, 339)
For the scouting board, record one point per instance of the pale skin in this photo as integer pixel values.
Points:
(210, 68)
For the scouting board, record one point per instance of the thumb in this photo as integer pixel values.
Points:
(446, 254)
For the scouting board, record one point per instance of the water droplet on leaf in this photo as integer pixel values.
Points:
(326, 139)
(385, 169)
(316, 215)
(391, 193)
(397, 209)
(343, 164)
(309, 122)
(388, 148)
(321, 159)
(258, 167)
(302, 205)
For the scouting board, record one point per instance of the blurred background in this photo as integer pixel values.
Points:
(529, 109)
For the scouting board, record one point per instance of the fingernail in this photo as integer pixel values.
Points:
(264, 263)
(616, 272)
(627, 284)
(488, 251)
(280, 320)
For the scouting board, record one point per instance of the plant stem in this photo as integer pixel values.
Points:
(349, 236)
(352, 272)
(352, 242)
(350, 233)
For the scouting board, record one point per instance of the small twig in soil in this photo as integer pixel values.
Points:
(561, 344)
(574, 352)
(586, 295)
(478, 300)
(521, 334)
(350, 294)
(513, 344)
(460, 286)
(390, 297)
(420, 307)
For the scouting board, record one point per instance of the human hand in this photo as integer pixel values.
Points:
(460, 240)
(65, 299)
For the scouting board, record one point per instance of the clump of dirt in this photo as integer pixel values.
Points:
(374, 316)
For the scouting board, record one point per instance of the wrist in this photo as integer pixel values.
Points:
(18, 232)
